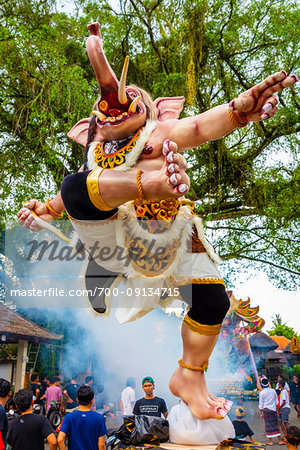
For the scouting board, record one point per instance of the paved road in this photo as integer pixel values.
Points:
(252, 417)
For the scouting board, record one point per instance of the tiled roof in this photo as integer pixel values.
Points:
(281, 341)
(14, 327)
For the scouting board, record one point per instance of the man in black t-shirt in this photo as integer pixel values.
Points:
(242, 429)
(150, 405)
(36, 388)
(4, 396)
(70, 392)
(29, 431)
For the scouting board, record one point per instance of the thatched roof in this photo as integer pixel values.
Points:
(274, 356)
(262, 341)
(15, 327)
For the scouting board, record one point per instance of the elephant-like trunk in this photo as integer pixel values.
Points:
(106, 77)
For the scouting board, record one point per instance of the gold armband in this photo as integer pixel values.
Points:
(52, 211)
(234, 121)
(92, 183)
(206, 330)
(139, 185)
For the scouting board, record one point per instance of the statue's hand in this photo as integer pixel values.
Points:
(174, 170)
(27, 220)
(170, 181)
(260, 102)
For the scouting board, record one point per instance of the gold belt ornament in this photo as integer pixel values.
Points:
(157, 216)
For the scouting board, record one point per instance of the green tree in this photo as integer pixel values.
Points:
(209, 51)
(277, 320)
(283, 330)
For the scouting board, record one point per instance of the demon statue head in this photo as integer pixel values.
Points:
(120, 109)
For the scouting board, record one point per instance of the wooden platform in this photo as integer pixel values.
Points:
(169, 446)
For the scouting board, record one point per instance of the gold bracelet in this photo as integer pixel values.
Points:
(234, 121)
(196, 368)
(52, 211)
(139, 185)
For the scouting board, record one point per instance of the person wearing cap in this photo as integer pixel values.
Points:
(150, 405)
(242, 429)
(268, 402)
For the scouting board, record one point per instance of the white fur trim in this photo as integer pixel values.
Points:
(132, 156)
(181, 230)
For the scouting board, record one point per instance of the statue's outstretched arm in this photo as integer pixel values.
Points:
(256, 104)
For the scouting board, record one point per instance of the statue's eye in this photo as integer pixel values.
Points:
(103, 105)
(132, 94)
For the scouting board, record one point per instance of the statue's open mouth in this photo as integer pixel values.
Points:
(115, 116)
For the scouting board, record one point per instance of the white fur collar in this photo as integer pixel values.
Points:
(133, 156)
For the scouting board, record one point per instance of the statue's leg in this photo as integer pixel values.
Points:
(77, 201)
(200, 331)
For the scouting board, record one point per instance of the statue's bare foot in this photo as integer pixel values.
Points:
(191, 387)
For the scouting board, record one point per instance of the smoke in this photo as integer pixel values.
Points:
(112, 352)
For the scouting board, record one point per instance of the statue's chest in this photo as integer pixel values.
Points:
(124, 154)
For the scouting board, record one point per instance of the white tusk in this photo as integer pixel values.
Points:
(133, 105)
(100, 115)
(121, 90)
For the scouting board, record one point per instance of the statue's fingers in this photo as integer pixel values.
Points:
(270, 103)
(240, 104)
(169, 146)
(182, 188)
(268, 115)
(182, 162)
(278, 87)
(175, 179)
(270, 81)
(172, 168)
(34, 226)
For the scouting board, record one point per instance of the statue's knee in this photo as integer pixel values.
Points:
(210, 304)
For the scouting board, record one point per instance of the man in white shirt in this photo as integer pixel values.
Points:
(128, 397)
(286, 386)
(283, 407)
(268, 402)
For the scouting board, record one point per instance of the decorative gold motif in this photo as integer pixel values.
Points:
(295, 344)
(246, 311)
(157, 216)
(117, 158)
(103, 105)
(206, 330)
(146, 262)
(197, 246)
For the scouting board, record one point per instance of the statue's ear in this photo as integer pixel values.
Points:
(169, 107)
(79, 132)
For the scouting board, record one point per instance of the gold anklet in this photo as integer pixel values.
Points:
(199, 369)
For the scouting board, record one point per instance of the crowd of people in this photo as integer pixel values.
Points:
(274, 405)
(84, 428)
